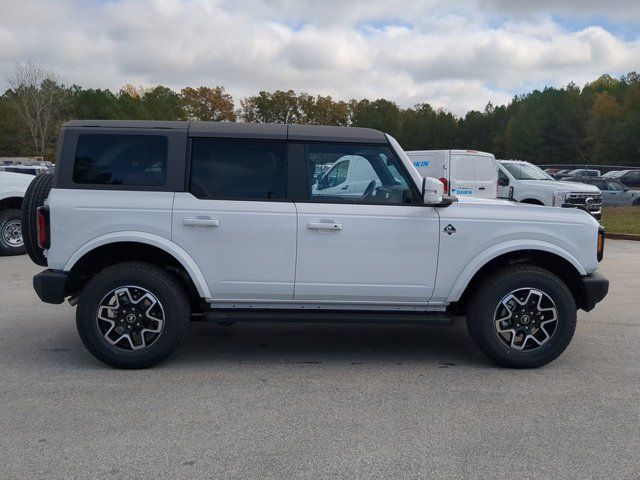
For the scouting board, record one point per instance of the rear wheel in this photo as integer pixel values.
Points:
(34, 197)
(522, 316)
(11, 242)
(133, 315)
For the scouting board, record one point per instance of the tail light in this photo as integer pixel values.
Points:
(44, 236)
(446, 185)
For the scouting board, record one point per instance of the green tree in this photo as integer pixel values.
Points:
(205, 103)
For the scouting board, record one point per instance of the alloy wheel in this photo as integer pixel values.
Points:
(526, 319)
(130, 318)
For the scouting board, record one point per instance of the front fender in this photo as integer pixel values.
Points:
(150, 239)
(503, 248)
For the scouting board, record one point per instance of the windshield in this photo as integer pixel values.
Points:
(526, 171)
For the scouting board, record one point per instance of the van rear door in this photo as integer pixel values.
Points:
(486, 171)
(462, 174)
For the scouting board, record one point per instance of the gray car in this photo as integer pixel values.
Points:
(614, 193)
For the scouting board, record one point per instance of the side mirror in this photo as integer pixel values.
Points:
(503, 181)
(432, 191)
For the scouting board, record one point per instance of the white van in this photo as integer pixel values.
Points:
(464, 172)
(349, 176)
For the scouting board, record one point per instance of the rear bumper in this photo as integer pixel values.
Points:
(50, 285)
(595, 288)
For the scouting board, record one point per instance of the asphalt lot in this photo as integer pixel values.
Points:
(320, 401)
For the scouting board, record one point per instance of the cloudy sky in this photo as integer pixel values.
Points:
(456, 57)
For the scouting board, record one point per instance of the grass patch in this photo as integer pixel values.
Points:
(621, 219)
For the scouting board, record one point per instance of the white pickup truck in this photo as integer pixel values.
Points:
(12, 189)
(149, 225)
(528, 183)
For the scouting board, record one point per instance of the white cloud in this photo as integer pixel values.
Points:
(456, 58)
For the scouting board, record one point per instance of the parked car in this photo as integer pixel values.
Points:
(27, 169)
(562, 174)
(528, 183)
(462, 172)
(148, 223)
(611, 174)
(12, 189)
(585, 172)
(614, 193)
(631, 178)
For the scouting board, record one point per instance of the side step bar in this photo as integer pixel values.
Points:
(326, 316)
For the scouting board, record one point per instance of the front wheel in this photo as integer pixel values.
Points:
(133, 315)
(522, 316)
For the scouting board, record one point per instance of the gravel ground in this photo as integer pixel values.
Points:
(320, 401)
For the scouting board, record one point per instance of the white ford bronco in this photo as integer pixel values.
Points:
(148, 225)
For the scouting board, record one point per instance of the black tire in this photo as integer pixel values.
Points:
(159, 282)
(10, 242)
(487, 298)
(34, 197)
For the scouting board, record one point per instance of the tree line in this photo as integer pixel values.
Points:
(596, 124)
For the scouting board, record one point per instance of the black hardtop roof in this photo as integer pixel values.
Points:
(317, 133)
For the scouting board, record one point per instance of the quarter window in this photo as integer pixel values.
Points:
(227, 169)
(111, 159)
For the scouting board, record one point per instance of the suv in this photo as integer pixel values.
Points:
(12, 189)
(152, 224)
(528, 183)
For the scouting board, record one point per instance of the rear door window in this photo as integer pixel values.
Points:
(114, 159)
(230, 169)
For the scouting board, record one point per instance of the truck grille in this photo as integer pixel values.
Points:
(591, 202)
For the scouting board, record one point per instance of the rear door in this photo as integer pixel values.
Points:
(462, 174)
(486, 176)
(235, 220)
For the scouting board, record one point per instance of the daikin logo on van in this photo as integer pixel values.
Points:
(423, 163)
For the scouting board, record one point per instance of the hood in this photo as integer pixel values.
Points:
(558, 186)
(14, 182)
(506, 210)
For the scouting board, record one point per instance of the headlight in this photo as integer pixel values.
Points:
(559, 198)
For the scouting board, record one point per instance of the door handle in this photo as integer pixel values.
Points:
(324, 226)
(481, 188)
(200, 222)
(345, 187)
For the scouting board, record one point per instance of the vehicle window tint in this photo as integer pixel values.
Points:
(226, 169)
(355, 174)
(111, 159)
(615, 186)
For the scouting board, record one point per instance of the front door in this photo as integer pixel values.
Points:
(374, 248)
(235, 221)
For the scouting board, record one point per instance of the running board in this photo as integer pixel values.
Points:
(326, 316)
